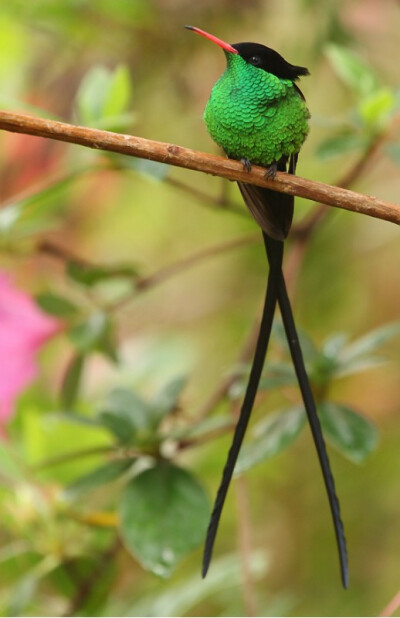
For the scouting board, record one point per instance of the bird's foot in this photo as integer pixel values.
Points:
(246, 164)
(271, 171)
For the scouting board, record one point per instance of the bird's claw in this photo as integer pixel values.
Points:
(271, 171)
(246, 164)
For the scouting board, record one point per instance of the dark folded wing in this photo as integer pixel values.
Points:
(273, 211)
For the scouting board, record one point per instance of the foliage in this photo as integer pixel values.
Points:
(110, 462)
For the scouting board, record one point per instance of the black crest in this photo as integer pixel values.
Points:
(269, 60)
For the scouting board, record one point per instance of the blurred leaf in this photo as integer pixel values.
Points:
(358, 355)
(107, 473)
(27, 585)
(210, 424)
(352, 69)
(376, 109)
(126, 415)
(9, 216)
(90, 274)
(326, 364)
(56, 305)
(12, 468)
(71, 381)
(340, 144)
(94, 333)
(118, 97)
(166, 400)
(120, 426)
(164, 513)
(181, 598)
(393, 150)
(154, 170)
(23, 594)
(104, 96)
(351, 433)
(334, 344)
(309, 349)
(38, 211)
(276, 375)
(272, 435)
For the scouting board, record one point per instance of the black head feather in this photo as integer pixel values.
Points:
(269, 60)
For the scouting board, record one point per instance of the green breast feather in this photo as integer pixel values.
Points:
(254, 115)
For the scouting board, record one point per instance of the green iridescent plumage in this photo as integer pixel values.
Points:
(254, 115)
(257, 114)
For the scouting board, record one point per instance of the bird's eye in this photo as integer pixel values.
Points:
(255, 60)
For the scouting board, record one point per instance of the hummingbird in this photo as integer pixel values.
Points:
(258, 115)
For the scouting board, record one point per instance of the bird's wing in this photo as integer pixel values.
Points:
(273, 211)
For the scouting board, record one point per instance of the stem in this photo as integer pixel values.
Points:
(244, 533)
(86, 586)
(392, 606)
(66, 457)
(191, 260)
(199, 161)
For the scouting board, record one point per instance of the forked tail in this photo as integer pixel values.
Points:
(247, 406)
(274, 257)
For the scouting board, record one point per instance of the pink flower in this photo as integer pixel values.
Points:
(23, 330)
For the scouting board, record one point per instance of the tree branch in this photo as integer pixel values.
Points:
(199, 161)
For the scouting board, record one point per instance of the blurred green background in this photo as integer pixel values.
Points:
(82, 231)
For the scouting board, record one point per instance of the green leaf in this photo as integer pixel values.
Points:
(152, 169)
(22, 595)
(340, 144)
(276, 375)
(309, 349)
(126, 415)
(89, 274)
(358, 355)
(376, 109)
(93, 333)
(104, 97)
(163, 513)
(182, 597)
(9, 217)
(352, 434)
(56, 305)
(325, 365)
(107, 473)
(352, 69)
(166, 401)
(118, 97)
(130, 405)
(71, 381)
(272, 435)
(206, 426)
(121, 427)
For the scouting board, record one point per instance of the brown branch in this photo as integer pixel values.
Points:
(192, 259)
(87, 585)
(245, 545)
(198, 161)
(392, 606)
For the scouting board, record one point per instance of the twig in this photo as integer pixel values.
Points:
(86, 586)
(219, 202)
(244, 533)
(161, 275)
(392, 606)
(66, 457)
(203, 162)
